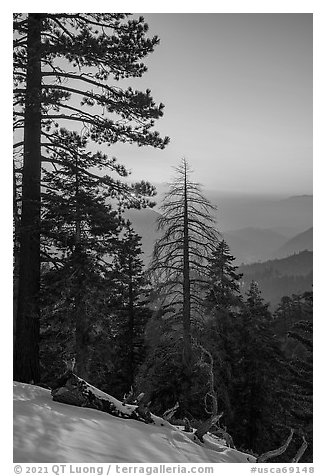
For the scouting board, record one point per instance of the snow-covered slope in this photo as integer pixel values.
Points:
(50, 432)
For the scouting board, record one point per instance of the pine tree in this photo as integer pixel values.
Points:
(300, 401)
(74, 309)
(219, 333)
(223, 283)
(84, 232)
(283, 316)
(259, 364)
(180, 257)
(64, 67)
(78, 230)
(161, 376)
(129, 304)
(296, 393)
(290, 310)
(26, 363)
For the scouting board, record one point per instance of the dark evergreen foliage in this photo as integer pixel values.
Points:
(92, 299)
(219, 332)
(112, 300)
(129, 309)
(223, 282)
(65, 66)
(259, 364)
(75, 318)
(290, 310)
(280, 277)
(297, 392)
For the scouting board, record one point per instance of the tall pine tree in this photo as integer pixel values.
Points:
(219, 333)
(130, 305)
(65, 66)
(223, 283)
(258, 366)
(296, 392)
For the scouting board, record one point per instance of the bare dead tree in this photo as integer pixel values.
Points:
(180, 256)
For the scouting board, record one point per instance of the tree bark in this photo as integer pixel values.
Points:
(26, 351)
(81, 318)
(131, 322)
(16, 251)
(80, 310)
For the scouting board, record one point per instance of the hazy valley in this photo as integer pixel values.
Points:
(263, 234)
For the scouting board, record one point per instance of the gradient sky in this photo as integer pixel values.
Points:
(237, 90)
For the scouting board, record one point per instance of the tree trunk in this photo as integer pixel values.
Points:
(252, 424)
(26, 352)
(186, 300)
(16, 251)
(80, 265)
(81, 318)
(131, 324)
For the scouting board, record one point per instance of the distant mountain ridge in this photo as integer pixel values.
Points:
(299, 197)
(253, 244)
(276, 277)
(298, 264)
(265, 226)
(302, 241)
(265, 212)
(280, 277)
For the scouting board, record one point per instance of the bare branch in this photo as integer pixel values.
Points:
(270, 454)
(301, 451)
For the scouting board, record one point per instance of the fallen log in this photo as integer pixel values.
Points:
(73, 390)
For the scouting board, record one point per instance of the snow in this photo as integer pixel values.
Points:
(50, 432)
